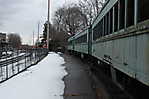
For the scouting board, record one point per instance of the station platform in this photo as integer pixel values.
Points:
(78, 83)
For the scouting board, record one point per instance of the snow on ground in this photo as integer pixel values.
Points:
(42, 81)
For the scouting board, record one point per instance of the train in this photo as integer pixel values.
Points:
(118, 36)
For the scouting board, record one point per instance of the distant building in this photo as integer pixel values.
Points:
(3, 42)
(2, 37)
(25, 46)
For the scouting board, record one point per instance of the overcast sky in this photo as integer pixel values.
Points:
(23, 16)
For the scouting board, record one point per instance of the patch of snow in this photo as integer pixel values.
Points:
(9, 52)
(4, 53)
(42, 81)
(14, 56)
(60, 53)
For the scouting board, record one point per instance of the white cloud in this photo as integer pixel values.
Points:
(22, 16)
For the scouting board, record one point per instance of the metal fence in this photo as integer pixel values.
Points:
(19, 61)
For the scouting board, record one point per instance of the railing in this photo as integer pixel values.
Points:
(19, 61)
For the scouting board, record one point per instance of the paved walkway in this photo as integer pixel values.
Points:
(78, 83)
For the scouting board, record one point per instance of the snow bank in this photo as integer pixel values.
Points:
(42, 81)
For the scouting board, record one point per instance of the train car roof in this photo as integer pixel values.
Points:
(71, 38)
(81, 33)
(105, 9)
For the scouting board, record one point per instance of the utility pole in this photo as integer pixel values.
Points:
(33, 38)
(48, 24)
(38, 32)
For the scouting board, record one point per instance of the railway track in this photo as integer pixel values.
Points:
(103, 84)
(112, 90)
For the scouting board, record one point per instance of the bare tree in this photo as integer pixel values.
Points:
(70, 19)
(91, 8)
(58, 18)
(73, 17)
(14, 40)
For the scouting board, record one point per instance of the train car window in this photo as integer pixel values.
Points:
(111, 20)
(76, 40)
(101, 28)
(104, 25)
(98, 30)
(82, 39)
(95, 33)
(116, 17)
(143, 6)
(122, 13)
(108, 24)
(70, 42)
(130, 12)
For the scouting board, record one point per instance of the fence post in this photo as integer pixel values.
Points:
(7, 71)
(12, 68)
(1, 74)
(25, 61)
(18, 66)
(12, 64)
(36, 55)
(30, 58)
(18, 61)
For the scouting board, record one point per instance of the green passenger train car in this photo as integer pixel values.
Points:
(119, 36)
(80, 42)
(70, 46)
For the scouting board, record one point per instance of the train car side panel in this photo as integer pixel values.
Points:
(128, 54)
